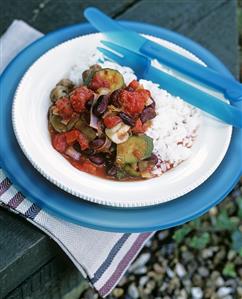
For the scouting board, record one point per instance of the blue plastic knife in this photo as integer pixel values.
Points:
(118, 34)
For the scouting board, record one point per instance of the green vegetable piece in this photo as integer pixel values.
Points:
(83, 127)
(71, 123)
(136, 148)
(88, 74)
(143, 165)
(131, 170)
(55, 121)
(113, 77)
(120, 174)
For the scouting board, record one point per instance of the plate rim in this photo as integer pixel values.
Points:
(115, 219)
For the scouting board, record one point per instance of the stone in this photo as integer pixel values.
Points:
(197, 293)
(219, 282)
(140, 262)
(143, 280)
(239, 291)
(169, 272)
(203, 271)
(163, 234)
(158, 268)
(180, 270)
(182, 294)
(224, 291)
(149, 287)
(118, 292)
(133, 291)
(207, 253)
(231, 255)
(141, 270)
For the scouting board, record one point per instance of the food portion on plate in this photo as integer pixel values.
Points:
(108, 124)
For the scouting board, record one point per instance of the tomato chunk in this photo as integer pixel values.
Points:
(111, 121)
(83, 141)
(59, 142)
(138, 128)
(98, 82)
(79, 97)
(72, 136)
(133, 102)
(64, 108)
(134, 84)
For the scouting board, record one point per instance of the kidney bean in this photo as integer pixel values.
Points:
(101, 105)
(114, 98)
(153, 104)
(89, 151)
(128, 120)
(112, 170)
(147, 114)
(88, 104)
(96, 143)
(96, 159)
(153, 158)
(77, 147)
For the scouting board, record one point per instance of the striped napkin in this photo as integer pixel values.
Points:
(101, 257)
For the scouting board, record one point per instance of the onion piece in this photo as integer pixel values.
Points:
(71, 152)
(105, 147)
(93, 118)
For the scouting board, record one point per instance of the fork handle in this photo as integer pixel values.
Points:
(230, 87)
(210, 104)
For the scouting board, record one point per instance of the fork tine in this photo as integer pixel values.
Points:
(111, 55)
(117, 48)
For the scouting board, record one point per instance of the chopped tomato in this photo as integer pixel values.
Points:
(89, 167)
(64, 108)
(111, 121)
(83, 141)
(79, 97)
(134, 84)
(139, 127)
(72, 136)
(59, 142)
(133, 102)
(98, 82)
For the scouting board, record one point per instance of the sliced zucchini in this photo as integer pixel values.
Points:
(88, 74)
(56, 123)
(114, 78)
(83, 127)
(130, 169)
(136, 148)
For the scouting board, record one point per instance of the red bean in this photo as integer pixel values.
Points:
(101, 106)
(114, 98)
(96, 143)
(96, 159)
(128, 120)
(147, 114)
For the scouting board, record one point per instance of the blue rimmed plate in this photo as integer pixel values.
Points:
(62, 204)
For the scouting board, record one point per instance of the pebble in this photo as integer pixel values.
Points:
(133, 291)
(207, 253)
(239, 291)
(163, 234)
(149, 287)
(90, 294)
(158, 268)
(219, 282)
(143, 280)
(140, 262)
(118, 292)
(182, 294)
(231, 255)
(203, 271)
(141, 270)
(169, 272)
(197, 293)
(224, 291)
(180, 270)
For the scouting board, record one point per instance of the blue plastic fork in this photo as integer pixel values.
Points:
(194, 96)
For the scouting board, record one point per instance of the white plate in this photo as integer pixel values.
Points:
(29, 116)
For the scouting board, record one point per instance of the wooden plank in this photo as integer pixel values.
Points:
(210, 23)
(23, 249)
(56, 279)
(46, 15)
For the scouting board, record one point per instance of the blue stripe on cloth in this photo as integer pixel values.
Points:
(110, 257)
(32, 212)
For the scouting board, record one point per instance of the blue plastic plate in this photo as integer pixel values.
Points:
(84, 213)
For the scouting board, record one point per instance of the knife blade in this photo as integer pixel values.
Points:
(136, 42)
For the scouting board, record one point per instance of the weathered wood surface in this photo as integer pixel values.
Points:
(24, 250)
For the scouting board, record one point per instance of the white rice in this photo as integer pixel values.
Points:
(173, 129)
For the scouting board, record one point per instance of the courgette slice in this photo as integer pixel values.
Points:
(136, 148)
(131, 170)
(113, 78)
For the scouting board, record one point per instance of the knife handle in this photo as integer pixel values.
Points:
(230, 87)
(212, 105)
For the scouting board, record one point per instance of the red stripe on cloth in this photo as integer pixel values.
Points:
(114, 278)
(16, 200)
